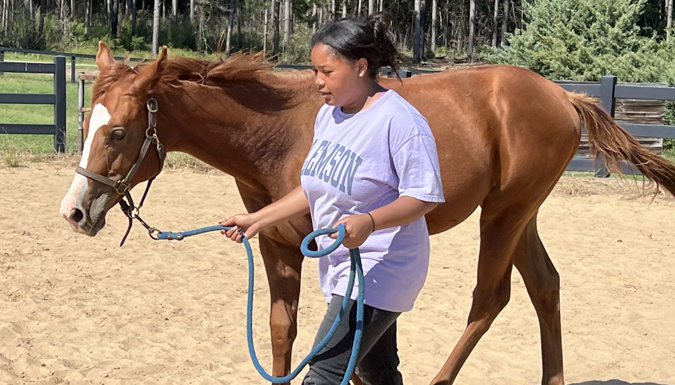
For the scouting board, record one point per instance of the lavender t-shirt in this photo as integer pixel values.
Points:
(358, 163)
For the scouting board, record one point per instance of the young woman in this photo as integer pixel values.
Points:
(372, 166)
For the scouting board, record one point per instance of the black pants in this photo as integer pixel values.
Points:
(378, 358)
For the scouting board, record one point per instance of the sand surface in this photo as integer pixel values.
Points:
(81, 310)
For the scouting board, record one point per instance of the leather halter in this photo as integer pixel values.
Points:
(123, 186)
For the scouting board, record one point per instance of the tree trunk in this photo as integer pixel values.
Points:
(472, 28)
(155, 27)
(417, 40)
(505, 22)
(132, 4)
(5, 6)
(445, 14)
(314, 19)
(265, 33)
(454, 30)
(495, 24)
(275, 26)
(237, 4)
(192, 11)
(344, 8)
(114, 18)
(287, 26)
(250, 32)
(358, 10)
(669, 20)
(333, 12)
(41, 24)
(87, 15)
(434, 17)
(72, 9)
(201, 47)
(423, 26)
(381, 8)
(371, 6)
(228, 35)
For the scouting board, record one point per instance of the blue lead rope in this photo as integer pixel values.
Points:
(356, 270)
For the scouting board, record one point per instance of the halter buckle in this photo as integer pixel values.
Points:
(152, 105)
(122, 187)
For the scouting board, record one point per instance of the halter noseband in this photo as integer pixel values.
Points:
(123, 186)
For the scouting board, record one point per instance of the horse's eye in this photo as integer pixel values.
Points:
(118, 134)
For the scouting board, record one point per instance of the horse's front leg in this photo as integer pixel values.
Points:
(283, 265)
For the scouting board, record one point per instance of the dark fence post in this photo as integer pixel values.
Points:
(80, 113)
(607, 89)
(60, 103)
(2, 58)
(72, 69)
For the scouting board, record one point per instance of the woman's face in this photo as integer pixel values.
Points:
(339, 80)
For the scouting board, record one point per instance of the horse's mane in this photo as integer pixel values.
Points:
(106, 78)
(238, 76)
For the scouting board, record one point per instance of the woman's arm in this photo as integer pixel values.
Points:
(400, 212)
(292, 204)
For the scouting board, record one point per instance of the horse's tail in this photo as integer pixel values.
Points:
(615, 144)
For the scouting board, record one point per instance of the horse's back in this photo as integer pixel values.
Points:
(495, 127)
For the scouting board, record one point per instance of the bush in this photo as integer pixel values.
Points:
(586, 39)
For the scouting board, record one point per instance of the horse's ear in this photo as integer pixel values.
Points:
(104, 57)
(149, 74)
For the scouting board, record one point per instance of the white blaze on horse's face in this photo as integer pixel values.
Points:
(72, 202)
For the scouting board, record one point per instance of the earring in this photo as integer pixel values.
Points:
(361, 74)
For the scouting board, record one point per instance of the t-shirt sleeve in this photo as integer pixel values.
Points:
(415, 162)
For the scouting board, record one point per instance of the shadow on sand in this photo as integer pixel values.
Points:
(615, 382)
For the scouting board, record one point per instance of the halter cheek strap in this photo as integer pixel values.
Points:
(123, 186)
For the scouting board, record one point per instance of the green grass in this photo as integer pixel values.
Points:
(35, 114)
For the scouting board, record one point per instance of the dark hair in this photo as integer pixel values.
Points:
(368, 38)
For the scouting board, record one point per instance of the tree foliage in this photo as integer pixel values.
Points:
(586, 39)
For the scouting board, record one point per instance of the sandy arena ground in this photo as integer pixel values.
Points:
(80, 310)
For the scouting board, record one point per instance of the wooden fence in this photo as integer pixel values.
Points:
(72, 56)
(57, 99)
(608, 91)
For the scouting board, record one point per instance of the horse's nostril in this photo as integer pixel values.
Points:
(77, 215)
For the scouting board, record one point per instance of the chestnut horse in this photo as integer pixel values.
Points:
(504, 136)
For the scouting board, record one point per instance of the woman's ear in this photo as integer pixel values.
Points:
(362, 67)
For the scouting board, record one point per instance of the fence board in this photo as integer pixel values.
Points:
(27, 129)
(27, 99)
(638, 91)
(31, 68)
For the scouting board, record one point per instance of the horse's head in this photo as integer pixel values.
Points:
(119, 130)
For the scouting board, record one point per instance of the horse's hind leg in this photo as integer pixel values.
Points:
(543, 286)
(501, 225)
(283, 266)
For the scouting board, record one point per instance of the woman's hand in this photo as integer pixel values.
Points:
(242, 224)
(357, 229)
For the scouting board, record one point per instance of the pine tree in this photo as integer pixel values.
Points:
(586, 39)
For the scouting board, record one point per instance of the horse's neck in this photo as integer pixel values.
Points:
(256, 148)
